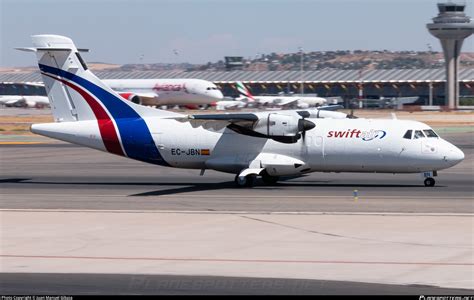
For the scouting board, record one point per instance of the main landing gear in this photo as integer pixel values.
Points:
(268, 179)
(250, 180)
(247, 181)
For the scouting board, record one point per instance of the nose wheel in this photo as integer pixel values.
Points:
(429, 181)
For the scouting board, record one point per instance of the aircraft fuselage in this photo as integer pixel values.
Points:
(334, 145)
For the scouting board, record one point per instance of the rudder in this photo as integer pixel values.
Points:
(59, 53)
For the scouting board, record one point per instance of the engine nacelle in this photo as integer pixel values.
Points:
(327, 114)
(131, 97)
(29, 104)
(279, 125)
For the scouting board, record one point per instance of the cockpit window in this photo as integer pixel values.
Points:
(407, 135)
(430, 133)
(418, 134)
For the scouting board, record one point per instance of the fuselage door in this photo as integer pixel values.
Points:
(314, 149)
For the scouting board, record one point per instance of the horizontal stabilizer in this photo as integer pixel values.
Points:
(331, 107)
(31, 49)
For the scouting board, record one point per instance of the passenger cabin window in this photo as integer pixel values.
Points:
(407, 135)
(418, 134)
(430, 133)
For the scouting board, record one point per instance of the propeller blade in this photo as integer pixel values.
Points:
(351, 115)
(303, 113)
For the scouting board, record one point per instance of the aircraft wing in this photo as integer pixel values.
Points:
(331, 107)
(220, 121)
(288, 102)
(231, 118)
(244, 117)
(14, 101)
(9, 100)
(285, 127)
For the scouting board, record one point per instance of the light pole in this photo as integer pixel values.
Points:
(361, 90)
(257, 57)
(301, 70)
(430, 84)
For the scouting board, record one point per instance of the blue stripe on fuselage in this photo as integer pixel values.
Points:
(134, 133)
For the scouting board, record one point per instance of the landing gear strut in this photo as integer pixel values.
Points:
(429, 181)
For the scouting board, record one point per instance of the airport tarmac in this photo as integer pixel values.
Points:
(69, 209)
(43, 176)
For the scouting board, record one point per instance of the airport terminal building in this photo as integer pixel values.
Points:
(346, 84)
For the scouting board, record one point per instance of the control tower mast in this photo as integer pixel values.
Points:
(451, 27)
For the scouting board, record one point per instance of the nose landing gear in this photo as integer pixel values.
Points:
(429, 181)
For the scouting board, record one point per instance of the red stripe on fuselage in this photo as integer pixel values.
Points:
(106, 126)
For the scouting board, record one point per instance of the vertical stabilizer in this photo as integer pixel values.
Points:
(244, 91)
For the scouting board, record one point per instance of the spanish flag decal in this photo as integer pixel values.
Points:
(205, 152)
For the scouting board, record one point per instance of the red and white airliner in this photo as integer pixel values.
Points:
(170, 92)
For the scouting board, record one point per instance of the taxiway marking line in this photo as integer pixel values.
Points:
(22, 143)
(190, 259)
(247, 196)
(230, 212)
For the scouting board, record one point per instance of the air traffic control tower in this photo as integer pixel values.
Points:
(451, 27)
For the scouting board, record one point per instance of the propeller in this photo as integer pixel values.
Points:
(303, 124)
(351, 115)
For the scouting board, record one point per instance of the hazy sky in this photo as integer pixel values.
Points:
(207, 30)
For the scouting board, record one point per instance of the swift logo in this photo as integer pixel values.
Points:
(356, 133)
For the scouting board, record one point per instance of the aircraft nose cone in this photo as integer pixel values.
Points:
(456, 155)
(215, 95)
(453, 155)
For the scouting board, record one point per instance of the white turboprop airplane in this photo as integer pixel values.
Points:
(230, 104)
(24, 101)
(279, 101)
(158, 92)
(267, 144)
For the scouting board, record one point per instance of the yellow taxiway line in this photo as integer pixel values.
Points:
(22, 143)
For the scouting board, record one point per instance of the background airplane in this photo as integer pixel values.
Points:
(24, 101)
(229, 104)
(283, 102)
(158, 92)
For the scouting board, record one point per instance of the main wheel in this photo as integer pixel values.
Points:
(247, 181)
(268, 179)
(429, 181)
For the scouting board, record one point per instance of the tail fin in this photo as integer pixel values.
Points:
(244, 91)
(91, 113)
(74, 92)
